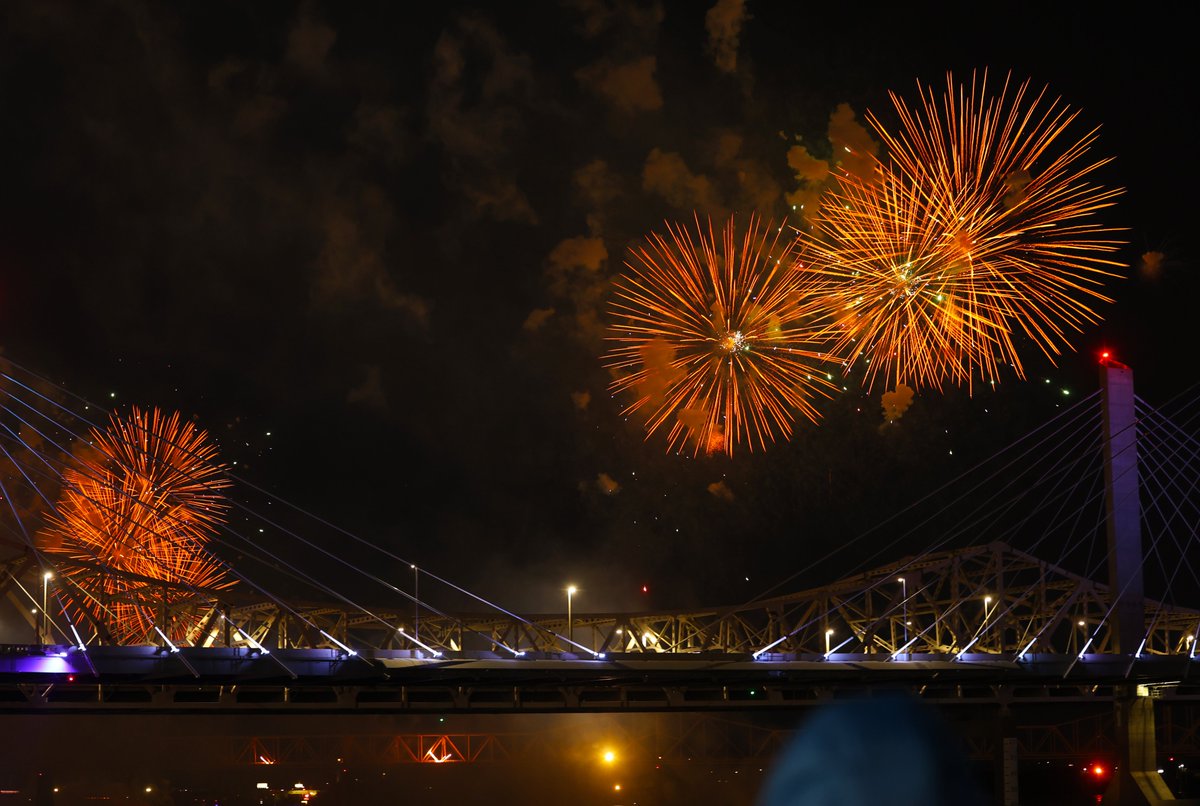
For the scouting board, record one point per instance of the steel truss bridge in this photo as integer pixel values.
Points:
(988, 625)
(1040, 633)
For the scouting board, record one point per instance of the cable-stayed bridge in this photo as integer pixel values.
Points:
(1054, 641)
(975, 602)
(1097, 604)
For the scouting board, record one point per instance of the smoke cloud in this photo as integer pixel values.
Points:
(724, 24)
(896, 402)
(629, 86)
(720, 490)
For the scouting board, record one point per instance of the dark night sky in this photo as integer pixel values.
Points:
(333, 221)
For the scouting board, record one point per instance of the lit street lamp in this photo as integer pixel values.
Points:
(416, 604)
(904, 596)
(42, 630)
(828, 635)
(571, 589)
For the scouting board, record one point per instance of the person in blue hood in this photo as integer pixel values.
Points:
(891, 750)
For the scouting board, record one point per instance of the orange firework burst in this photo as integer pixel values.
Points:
(978, 231)
(719, 337)
(136, 515)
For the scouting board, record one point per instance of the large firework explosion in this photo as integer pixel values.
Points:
(976, 233)
(132, 523)
(719, 337)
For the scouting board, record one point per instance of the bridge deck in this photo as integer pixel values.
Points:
(230, 679)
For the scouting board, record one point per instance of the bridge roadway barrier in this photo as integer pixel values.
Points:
(141, 678)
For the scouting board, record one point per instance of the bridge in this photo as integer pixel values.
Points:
(970, 620)
(1053, 637)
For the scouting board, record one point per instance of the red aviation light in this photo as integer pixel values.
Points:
(1108, 359)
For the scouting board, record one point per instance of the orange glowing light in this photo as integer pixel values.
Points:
(976, 235)
(719, 336)
(138, 510)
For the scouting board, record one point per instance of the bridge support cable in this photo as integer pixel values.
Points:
(915, 595)
(102, 505)
(1104, 618)
(56, 475)
(1159, 460)
(101, 567)
(1127, 557)
(253, 547)
(1124, 509)
(1076, 410)
(40, 557)
(368, 575)
(191, 588)
(1063, 469)
(1059, 499)
(312, 516)
(1134, 645)
(1009, 602)
(256, 646)
(1116, 597)
(1177, 441)
(1070, 521)
(1180, 402)
(948, 620)
(1150, 459)
(1169, 476)
(424, 570)
(1049, 625)
(44, 565)
(1084, 538)
(1074, 422)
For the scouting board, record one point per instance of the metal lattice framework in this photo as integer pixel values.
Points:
(985, 600)
(989, 599)
(990, 606)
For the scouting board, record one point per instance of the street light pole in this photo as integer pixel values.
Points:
(416, 603)
(46, 577)
(570, 625)
(904, 595)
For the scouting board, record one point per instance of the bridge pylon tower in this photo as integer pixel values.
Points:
(1124, 511)
(1137, 781)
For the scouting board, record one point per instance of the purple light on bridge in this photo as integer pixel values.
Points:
(56, 663)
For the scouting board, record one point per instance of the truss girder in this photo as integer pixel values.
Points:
(991, 600)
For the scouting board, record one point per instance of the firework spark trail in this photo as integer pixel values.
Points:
(973, 234)
(145, 505)
(721, 337)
